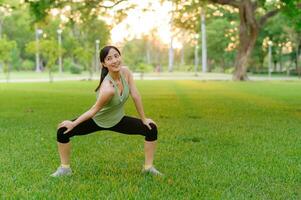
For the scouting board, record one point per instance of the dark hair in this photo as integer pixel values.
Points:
(102, 55)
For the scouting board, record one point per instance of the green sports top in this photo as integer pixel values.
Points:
(113, 111)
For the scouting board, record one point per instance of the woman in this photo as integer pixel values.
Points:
(116, 83)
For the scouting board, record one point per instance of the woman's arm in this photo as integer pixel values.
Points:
(137, 100)
(106, 94)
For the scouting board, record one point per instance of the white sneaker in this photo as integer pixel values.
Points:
(152, 170)
(61, 171)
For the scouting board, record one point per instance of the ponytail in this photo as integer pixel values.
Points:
(104, 72)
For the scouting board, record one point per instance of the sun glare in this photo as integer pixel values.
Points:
(139, 22)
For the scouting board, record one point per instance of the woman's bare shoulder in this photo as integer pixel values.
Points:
(107, 86)
(125, 70)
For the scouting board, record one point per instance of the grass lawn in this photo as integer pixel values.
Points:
(217, 140)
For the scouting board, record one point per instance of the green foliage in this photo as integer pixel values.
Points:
(142, 67)
(94, 30)
(31, 47)
(76, 69)
(68, 63)
(39, 8)
(293, 11)
(28, 65)
(133, 54)
(187, 16)
(15, 59)
(6, 48)
(217, 43)
(17, 27)
(84, 56)
(49, 50)
(82, 46)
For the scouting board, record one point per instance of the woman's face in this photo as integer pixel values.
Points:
(113, 61)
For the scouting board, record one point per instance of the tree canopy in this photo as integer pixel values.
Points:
(253, 16)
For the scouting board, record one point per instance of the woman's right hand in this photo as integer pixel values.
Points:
(147, 122)
(68, 124)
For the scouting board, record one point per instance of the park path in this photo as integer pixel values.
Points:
(165, 76)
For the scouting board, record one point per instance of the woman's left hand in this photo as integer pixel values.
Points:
(147, 122)
(68, 124)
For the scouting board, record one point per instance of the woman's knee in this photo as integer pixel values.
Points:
(61, 137)
(152, 134)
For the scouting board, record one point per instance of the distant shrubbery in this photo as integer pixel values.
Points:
(74, 68)
(27, 65)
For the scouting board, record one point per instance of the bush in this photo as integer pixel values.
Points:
(294, 72)
(230, 70)
(28, 65)
(68, 63)
(218, 70)
(54, 68)
(76, 69)
(187, 68)
(142, 67)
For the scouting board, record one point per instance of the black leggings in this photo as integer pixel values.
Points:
(127, 125)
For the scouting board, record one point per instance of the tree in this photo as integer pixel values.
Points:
(219, 42)
(133, 55)
(49, 51)
(6, 48)
(253, 16)
(84, 56)
(294, 31)
(17, 27)
(81, 19)
(76, 10)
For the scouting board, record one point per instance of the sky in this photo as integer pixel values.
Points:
(139, 22)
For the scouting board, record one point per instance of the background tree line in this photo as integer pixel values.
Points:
(238, 35)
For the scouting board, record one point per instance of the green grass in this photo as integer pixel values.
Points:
(217, 140)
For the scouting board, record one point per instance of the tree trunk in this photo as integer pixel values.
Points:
(204, 41)
(280, 59)
(275, 66)
(170, 56)
(288, 69)
(50, 75)
(1, 24)
(298, 70)
(182, 56)
(90, 69)
(299, 67)
(7, 66)
(223, 65)
(261, 64)
(171, 50)
(148, 52)
(248, 32)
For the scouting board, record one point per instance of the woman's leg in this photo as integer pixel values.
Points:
(149, 151)
(134, 126)
(64, 151)
(64, 144)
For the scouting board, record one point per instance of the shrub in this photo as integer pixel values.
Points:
(28, 65)
(76, 69)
